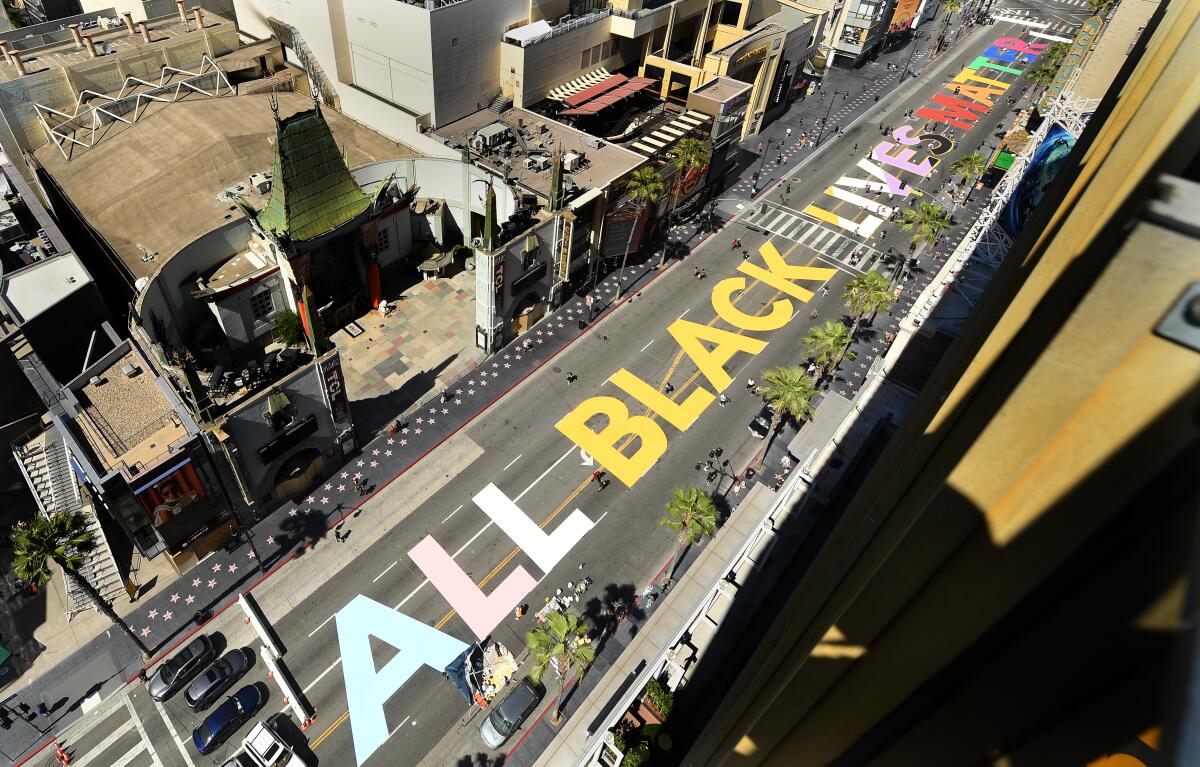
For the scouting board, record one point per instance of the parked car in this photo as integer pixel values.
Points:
(237, 760)
(180, 668)
(220, 676)
(508, 717)
(266, 748)
(227, 718)
(760, 427)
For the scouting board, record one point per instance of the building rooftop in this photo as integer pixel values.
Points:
(29, 291)
(156, 182)
(56, 49)
(604, 162)
(127, 418)
(721, 89)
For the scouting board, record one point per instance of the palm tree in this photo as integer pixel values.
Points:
(645, 187)
(692, 516)
(1100, 6)
(61, 538)
(828, 345)
(1055, 54)
(952, 6)
(789, 391)
(926, 222)
(867, 293)
(1042, 74)
(561, 642)
(970, 167)
(688, 154)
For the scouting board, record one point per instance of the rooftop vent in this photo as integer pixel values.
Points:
(129, 370)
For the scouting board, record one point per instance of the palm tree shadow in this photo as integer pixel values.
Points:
(480, 760)
(612, 607)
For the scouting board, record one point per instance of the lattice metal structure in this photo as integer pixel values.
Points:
(88, 118)
(986, 239)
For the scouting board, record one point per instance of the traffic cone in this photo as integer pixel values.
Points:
(63, 757)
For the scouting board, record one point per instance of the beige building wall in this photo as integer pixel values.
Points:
(527, 74)
(1108, 56)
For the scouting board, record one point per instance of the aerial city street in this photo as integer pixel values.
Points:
(478, 382)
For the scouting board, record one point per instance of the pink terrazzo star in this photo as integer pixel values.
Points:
(145, 631)
(152, 614)
(196, 583)
(168, 615)
(213, 583)
(328, 487)
(233, 568)
(341, 488)
(374, 464)
(403, 442)
(270, 539)
(292, 512)
(249, 555)
(189, 599)
(174, 598)
(345, 474)
(391, 441)
(217, 567)
(387, 452)
(325, 498)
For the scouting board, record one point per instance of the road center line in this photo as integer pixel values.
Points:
(647, 346)
(451, 514)
(385, 572)
(510, 463)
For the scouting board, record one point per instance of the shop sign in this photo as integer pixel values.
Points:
(335, 389)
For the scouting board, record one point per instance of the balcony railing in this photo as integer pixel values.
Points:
(563, 28)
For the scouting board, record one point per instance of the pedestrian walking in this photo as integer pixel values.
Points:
(723, 400)
(696, 272)
(855, 146)
(668, 388)
(42, 710)
(735, 244)
(703, 274)
(745, 255)
(788, 133)
(750, 384)
(571, 378)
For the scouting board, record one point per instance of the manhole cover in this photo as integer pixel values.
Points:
(557, 369)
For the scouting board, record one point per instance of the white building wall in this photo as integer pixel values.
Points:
(466, 54)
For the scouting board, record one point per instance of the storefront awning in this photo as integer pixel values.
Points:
(634, 85)
(592, 91)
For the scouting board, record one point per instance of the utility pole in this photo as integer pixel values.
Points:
(828, 111)
(761, 162)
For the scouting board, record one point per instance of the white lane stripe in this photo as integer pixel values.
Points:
(98, 749)
(647, 346)
(451, 514)
(162, 714)
(541, 476)
(402, 723)
(141, 731)
(685, 311)
(1026, 22)
(318, 628)
(1055, 38)
(510, 463)
(385, 572)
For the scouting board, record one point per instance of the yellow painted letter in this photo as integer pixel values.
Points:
(689, 334)
(680, 415)
(779, 273)
(781, 310)
(603, 445)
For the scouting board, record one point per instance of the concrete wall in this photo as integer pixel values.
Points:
(527, 74)
(466, 45)
(236, 317)
(249, 429)
(390, 52)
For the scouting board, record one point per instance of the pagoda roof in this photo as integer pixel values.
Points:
(312, 192)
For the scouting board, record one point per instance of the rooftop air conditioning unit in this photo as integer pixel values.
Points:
(129, 370)
(539, 162)
(573, 161)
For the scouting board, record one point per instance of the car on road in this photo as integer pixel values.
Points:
(266, 748)
(508, 717)
(219, 677)
(181, 667)
(227, 718)
(760, 426)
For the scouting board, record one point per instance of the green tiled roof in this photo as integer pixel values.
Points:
(312, 192)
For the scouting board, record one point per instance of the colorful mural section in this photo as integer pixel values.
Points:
(1043, 167)
(904, 15)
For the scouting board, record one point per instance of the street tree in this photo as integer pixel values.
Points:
(926, 222)
(866, 294)
(788, 391)
(1041, 74)
(689, 154)
(692, 516)
(62, 538)
(562, 643)
(828, 345)
(1055, 54)
(645, 188)
(969, 167)
(1100, 6)
(952, 6)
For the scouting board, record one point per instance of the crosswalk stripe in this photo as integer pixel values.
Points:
(811, 231)
(1026, 22)
(820, 239)
(1055, 38)
(771, 227)
(100, 747)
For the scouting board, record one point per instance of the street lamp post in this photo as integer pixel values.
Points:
(761, 162)
(916, 40)
(825, 120)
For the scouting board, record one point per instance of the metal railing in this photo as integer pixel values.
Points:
(561, 29)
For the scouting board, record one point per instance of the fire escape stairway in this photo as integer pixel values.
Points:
(46, 463)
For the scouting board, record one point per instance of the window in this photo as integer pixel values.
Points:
(262, 305)
(381, 239)
(583, 59)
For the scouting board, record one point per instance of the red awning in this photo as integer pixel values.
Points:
(634, 85)
(592, 91)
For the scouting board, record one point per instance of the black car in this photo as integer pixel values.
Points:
(227, 718)
(760, 427)
(179, 670)
(220, 677)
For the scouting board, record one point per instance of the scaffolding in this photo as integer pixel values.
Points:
(129, 104)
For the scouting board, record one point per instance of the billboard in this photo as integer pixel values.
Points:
(178, 505)
(1043, 167)
(904, 15)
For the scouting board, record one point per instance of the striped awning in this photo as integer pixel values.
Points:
(604, 100)
(592, 91)
(594, 77)
(664, 137)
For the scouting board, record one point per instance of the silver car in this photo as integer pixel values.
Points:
(179, 670)
(508, 717)
(213, 683)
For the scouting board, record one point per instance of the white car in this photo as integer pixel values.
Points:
(266, 749)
